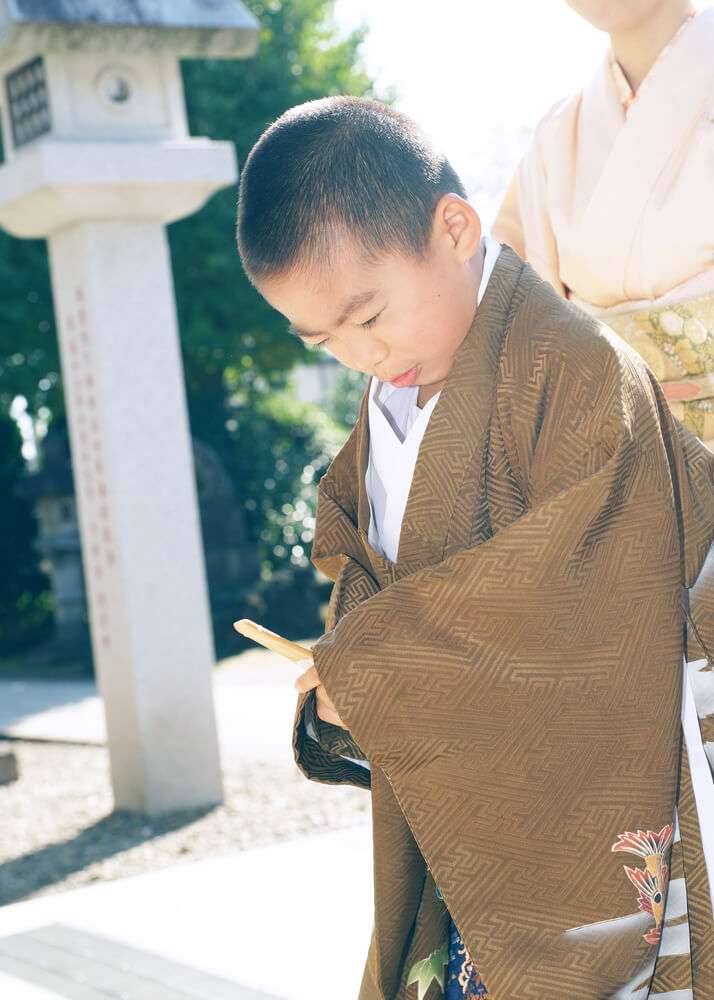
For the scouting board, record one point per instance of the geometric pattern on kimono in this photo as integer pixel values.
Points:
(556, 514)
(397, 425)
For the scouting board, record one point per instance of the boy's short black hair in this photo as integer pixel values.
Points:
(338, 166)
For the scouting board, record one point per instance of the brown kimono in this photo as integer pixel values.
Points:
(515, 677)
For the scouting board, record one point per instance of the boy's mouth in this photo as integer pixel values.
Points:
(406, 378)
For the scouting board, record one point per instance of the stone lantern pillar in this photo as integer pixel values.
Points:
(98, 161)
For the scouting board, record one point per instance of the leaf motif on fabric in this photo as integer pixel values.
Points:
(423, 971)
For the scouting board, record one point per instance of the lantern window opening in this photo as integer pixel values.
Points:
(28, 102)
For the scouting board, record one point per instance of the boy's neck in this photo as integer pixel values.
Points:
(476, 265)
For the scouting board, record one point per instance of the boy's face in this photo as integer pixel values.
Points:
(396, 316)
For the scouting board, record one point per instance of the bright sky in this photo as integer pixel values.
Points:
(477, 75)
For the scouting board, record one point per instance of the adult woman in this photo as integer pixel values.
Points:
(614, 201)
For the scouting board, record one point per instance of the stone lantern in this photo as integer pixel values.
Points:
(98, 160)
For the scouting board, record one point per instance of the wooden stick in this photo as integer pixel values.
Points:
(271, 640)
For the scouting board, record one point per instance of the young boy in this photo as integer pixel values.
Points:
(509, 528)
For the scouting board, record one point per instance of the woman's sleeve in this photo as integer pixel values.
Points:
(523, 221)
(508, 225)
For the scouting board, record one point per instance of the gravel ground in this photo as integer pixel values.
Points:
(59, 831)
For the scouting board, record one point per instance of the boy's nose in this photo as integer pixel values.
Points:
(369, 358)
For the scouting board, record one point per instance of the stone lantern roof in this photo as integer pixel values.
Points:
(191, 28)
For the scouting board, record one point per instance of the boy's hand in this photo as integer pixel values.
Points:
(325, 707)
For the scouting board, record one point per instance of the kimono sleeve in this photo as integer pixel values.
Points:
(507, 227)
(523, 220)
(700, 654)
(334, 739)
(696, 484)
(332, 755)
(443, 658)
(692, 467)
(521, 696)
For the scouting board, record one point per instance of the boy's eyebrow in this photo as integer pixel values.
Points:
(353, 302)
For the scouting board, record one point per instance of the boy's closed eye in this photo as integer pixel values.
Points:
(309, 342)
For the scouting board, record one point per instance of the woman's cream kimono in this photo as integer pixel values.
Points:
(515, 677)
(616, 210)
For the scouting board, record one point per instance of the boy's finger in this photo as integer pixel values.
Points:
(304, 666)
(324, 698)
(326, 708)
(327, 715)
(307, 681)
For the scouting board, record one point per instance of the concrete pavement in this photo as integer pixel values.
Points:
(256, 925)
(253, 694)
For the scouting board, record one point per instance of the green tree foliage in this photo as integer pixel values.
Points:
(29, 361)
(278, 481)
(236, 352)
(25, 599)
(224, 322)
(344, 400)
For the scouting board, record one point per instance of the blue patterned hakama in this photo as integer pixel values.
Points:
(461, 979)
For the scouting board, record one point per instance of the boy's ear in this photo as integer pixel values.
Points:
(457, 222)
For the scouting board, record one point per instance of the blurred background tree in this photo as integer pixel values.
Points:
(25, 605)
(237, 357)
(344, 400)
